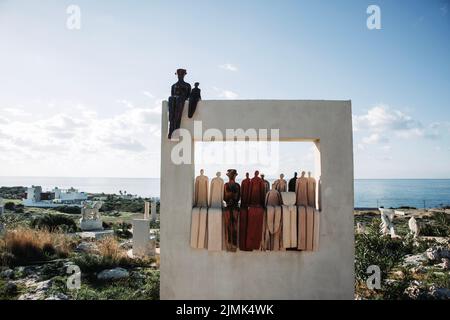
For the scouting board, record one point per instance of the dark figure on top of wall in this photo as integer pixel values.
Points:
(179, 94)
(194, 98)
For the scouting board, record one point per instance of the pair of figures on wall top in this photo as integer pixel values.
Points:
(180, 92)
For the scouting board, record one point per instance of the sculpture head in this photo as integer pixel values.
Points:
(295, 174)
(309, 174)
(256, 173)
(247, 175)
(181, 73)
(262, 176)
(281, 176)
(202, 171)
(232, 173)
(218, 174)
(303, 174)
(196, 84)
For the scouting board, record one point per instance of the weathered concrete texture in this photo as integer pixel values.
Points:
(328, 273)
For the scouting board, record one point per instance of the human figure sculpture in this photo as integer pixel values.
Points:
(387, 224)
(257, 193)
(231, 211)
(280, 185)
(245, 189)
(266, 183)
(215, 221)
(272, 239)
(301, 190)
(255, 220)
(216, 192)
(292, 183)
(179, 94)
(273, 197)
(201, 190)
(413, 227)
(311, 191)
(194, 98)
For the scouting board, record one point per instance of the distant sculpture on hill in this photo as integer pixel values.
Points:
(90, 216)
(413, 227)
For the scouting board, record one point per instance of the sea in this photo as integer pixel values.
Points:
(369, 193)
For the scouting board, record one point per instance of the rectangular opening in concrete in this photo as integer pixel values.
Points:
(270, 158)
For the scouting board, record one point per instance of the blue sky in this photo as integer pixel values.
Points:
(86, 102)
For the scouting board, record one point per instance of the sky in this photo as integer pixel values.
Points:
(87, 102)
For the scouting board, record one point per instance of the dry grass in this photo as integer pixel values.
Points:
(109, 248)
(23, 245)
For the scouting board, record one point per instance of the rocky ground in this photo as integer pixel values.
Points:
(88, 273)
(411, 268)
(42, 257)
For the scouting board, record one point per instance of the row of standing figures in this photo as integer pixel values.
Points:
(254, 217)
(212, 194)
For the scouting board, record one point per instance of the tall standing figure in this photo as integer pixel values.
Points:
(255, 219)
(179, 94)
(245, 188)
(292, 183)
(232, 193)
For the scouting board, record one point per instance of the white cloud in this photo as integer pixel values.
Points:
(229, 67)
(126, 103)
(383, 123)
(78, 139)
(148, 94)
(444, 9)
(3, 120)
(374, 138)
(226, 94)
(16, 112)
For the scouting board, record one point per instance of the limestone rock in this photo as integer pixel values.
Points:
(437, 253)
(113, 274)
(10, 288)
(7, 274)
(445, 263)
(44, 285)
(32, 296)
(414, 291)
(439, 293)
(360, 228)
(415, 260)
(58, 296)
(88, 247)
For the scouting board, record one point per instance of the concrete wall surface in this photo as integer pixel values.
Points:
(188, 273)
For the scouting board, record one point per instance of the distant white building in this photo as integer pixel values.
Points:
(55, 198)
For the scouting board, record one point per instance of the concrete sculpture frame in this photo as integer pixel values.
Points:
(328, 273)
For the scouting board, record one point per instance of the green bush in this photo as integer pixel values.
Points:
(54, 222)
(437, 226)
(122, 230)
(373, 249)
(146, 288)
(69, 209)
(9, 206)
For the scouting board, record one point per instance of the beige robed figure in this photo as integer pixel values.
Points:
(215, 225)
(199, 212)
